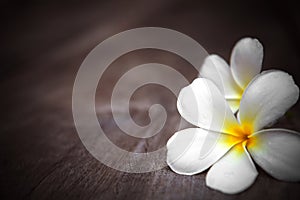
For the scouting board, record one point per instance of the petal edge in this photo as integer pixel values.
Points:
(277, 152)
(233, 173)
(193, 150)
(246, 60)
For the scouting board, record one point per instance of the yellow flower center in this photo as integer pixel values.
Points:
(242, 135)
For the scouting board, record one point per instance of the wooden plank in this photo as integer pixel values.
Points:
(41, 155)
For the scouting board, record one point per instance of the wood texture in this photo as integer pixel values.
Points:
(42, 47)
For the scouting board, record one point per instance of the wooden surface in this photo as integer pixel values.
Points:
(42, 47)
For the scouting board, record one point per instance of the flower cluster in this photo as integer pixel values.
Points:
(228, 143)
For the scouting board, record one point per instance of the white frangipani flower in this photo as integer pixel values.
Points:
(229, 145)
(245, 63)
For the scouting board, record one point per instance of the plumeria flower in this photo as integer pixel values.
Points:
(245, 63)
(229, 145)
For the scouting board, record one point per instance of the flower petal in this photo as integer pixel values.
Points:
(192, 150)
(233, 173)
(267, 98)
(202, 104)
(217, 70)
(234, 104)
(246, 60)
(277, 152)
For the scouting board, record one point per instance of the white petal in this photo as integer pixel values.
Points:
(238, 116)
(217, 70)
(277, 151)
(246, 60)
(202, 104)
(267, 98)
(234, 104)
(233, 173)
(193, 150)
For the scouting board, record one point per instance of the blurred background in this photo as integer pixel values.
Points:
(43, 44)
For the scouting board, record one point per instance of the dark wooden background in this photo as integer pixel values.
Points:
(42, 47)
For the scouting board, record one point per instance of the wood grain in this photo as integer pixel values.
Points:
(43, 45)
